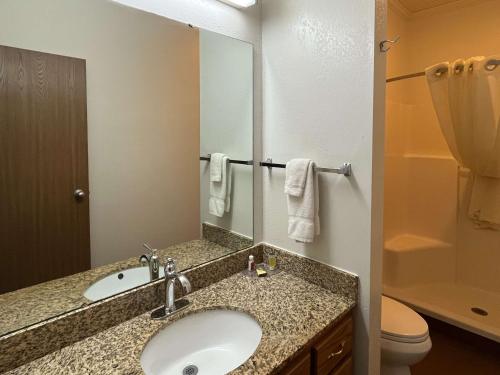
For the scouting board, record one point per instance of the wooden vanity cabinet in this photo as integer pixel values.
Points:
(299, 366)
(330, 354)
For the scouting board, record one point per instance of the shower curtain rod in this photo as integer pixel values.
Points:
(490, 65)
(399, 78)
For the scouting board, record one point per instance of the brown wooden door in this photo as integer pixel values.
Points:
(44, 230)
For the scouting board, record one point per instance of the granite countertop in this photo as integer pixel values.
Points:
(31, 305)
(290, 310)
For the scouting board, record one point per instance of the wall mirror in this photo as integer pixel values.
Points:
(118, 128)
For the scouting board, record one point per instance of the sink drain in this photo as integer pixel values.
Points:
(479, 311)
(190, 370)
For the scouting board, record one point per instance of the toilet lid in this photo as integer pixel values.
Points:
(400, 323)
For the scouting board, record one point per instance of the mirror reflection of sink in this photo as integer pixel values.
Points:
(119, 282)
(212, 342)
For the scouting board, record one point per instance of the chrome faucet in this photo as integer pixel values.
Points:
(171, 305)
(152, 261)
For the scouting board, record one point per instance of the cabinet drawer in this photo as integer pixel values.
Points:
(301, 366)
(332, 349)
(344, 369)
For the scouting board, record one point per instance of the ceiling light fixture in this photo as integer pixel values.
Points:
(240, 3)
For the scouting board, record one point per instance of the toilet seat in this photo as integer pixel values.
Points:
(402, 324)
(405, 339)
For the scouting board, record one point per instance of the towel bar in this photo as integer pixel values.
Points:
(244, 162)
(346, 169)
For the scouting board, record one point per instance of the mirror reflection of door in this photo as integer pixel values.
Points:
(44, 215)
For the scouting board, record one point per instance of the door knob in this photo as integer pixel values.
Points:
(79, 194)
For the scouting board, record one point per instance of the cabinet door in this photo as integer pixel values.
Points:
(344, 369)
(300, 366)
(331, 350)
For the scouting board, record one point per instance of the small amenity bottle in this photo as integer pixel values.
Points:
(251, 263)
(271, 261)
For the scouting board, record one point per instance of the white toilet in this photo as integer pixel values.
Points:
(405, 338)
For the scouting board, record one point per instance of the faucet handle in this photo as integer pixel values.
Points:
(170, 266)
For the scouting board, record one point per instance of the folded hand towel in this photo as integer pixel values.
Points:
(216, 167)
(220, 192)
(301, 187)
(296, 175)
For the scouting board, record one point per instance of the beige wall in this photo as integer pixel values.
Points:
(413, 135)
(143, 115)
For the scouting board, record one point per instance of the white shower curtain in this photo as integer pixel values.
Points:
(466, 99)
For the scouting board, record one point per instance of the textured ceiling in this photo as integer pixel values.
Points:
(418, 5)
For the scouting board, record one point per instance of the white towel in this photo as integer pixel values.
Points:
(220, 191)
(296, 176)
(216, 167)
(301, 188)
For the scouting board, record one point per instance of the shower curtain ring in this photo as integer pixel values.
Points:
(491, 65)
(385, 44)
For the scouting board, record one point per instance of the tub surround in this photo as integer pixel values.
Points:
(50, 336)
(290, 310)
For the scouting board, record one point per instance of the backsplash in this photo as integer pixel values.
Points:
(331, 278)
(224, 237)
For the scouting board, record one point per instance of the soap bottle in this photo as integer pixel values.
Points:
(251, 263)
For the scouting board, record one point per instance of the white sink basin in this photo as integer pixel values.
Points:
(215, 342)
(119, 282)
